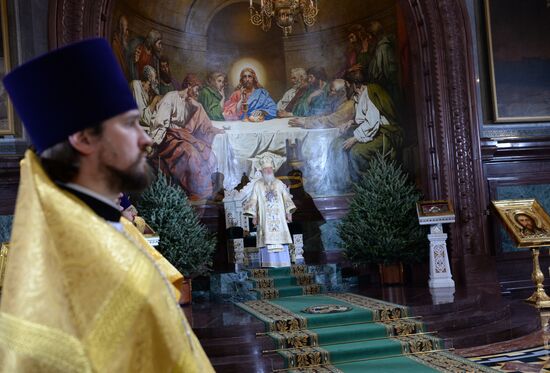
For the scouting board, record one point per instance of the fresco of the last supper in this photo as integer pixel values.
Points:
(220, 93)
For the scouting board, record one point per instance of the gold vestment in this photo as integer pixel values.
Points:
(80, 296)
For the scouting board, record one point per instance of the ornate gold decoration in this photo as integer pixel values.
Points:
(382, 311)
(277, 319)
(259, 273)
(311, 289)
(403, 327)
(415, 343)
(295, 339)
(298, 270)
(536, 235)
(539, 297)
(446, 362)
(533, 235)
(304, 279)
(53, 348)
(306, 356)
(263, 283)
(327, 308)
(321, 369)
(285, 12)
(269, 293)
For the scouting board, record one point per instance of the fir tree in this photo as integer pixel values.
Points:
(184, 241)
(382, 225)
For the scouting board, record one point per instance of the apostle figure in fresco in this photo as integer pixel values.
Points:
(271, 207)
(298, 78)
(250, 93)
(364, 53)
(120, 44)
(375, 126)
(382, 66)
(335, 98)
(313, 100)
(339, 119)
(368, 124)
(212, 96)
(166, 81)
(356, 37)
(147, 53)
(182, 134)
(317, 78)
(341, 110)
(146, 94)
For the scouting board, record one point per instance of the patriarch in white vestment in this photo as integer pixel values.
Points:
(271, 207)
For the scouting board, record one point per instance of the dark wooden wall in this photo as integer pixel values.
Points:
(514, 161)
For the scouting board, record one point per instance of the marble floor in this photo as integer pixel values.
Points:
(536, 359)
(475, 321)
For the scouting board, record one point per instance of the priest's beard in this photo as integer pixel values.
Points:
(134, 179)
(269, 178)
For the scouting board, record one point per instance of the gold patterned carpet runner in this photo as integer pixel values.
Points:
(343, 332)
(273, 283)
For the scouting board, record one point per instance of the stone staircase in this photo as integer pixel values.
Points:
(262, 283)
(283, 282)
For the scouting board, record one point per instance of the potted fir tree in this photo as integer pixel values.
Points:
(381, 226)
(184, 241)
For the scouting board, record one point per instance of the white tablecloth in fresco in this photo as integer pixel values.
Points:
(243, 141)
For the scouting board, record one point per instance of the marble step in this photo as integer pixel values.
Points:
(286, 291)
(247, 345)
(491, 332)
(222, 321)
(474, 302)
(247, 363)
(466, 318)
(281, 281)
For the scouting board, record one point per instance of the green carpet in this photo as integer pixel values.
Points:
(283, 282)
(368, 335)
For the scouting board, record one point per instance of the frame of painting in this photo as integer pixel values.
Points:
(518, 73)
(526, 222)
(8, 125)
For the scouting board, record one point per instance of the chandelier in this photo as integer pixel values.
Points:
(286, 13)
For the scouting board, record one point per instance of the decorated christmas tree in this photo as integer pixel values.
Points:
(382, 226)
(184, 241)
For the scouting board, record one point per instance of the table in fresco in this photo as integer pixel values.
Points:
(243, 141)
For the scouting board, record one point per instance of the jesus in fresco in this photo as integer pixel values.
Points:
(252, 94)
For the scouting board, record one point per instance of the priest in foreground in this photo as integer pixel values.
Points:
(271, 207)
(81, 292)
